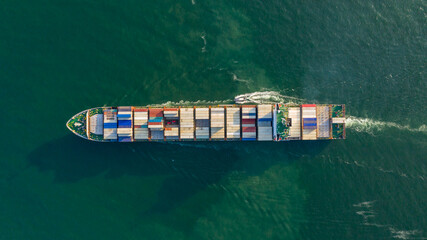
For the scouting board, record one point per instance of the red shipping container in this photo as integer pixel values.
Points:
(156, 112)
(248, 121)
(140, 110)
(249, 129)
(154, 123)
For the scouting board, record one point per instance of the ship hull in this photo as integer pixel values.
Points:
(264, 122)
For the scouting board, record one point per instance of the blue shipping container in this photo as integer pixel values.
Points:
(265, 119)
(110, 125)
(310, 119)
(125, 122)
(125, 139)
(158, 118)
(248, 139)
(155, 120)
(123, 115)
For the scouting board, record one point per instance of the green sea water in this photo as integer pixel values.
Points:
(60, 57)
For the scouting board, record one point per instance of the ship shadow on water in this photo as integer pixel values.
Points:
(192, 166)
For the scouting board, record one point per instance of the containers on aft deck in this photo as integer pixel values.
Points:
(309, 122)
(294, 120)
(323, 122)
(265, 119)
(248, 122)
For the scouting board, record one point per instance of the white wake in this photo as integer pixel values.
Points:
(254, 97)
(375, 126)
(267, 97)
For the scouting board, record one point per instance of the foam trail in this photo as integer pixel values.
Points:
(195, 103)
(405, 234)
(237, 79)
(366, 211)
(254, 97)
(203, 37)
(373, 127)
(267, 97)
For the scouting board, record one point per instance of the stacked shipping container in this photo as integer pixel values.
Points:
(140, 124)
(110, 124)
(233, 123)
(323, 123)
(248, 122)
(186, 123)
(217, 123)
(155, 123)
(124, 130)
(309, 122)
(265, 119)
(202, 123)
(96, 124)
(294, 116)
(171, 123)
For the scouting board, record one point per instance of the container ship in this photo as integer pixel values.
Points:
(261, 122)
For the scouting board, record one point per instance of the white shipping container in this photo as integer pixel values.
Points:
(294, 115)
(124, 130)
(217, 132)
(309, 112)
(249, 135)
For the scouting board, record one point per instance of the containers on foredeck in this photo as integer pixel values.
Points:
(110, 124)
(202, 123)
(217, 123)
(124, 130)
(140, 125)
(249, 122)
(265, 118)
(233, 123)
(96, 124)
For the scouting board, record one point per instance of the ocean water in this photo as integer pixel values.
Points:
(60, 57)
